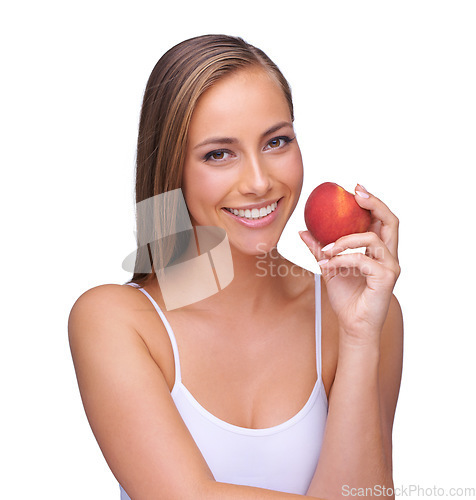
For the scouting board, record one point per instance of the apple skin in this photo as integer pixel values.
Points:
(332, 212)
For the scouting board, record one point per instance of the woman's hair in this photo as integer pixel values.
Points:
(174, 87)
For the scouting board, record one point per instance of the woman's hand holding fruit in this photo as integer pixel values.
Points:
(359, 285)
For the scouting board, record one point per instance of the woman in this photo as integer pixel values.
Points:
(281, 384)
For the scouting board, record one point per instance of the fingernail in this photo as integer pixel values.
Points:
(363, 188)
(327, 247)
(362, 194)
(300, 232)
(323, 261)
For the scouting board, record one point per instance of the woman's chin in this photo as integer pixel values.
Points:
(253, 249)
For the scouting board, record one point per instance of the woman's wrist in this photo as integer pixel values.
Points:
(358, 358)
(359, 340)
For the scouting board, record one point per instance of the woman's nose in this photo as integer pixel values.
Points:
(254, 177)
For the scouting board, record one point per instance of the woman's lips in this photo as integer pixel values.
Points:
(255, 222)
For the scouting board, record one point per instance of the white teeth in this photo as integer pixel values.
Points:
(255, 213)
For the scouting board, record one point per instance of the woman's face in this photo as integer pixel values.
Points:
(243, 167)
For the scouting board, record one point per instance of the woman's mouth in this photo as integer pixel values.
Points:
(254, 213)
(254, 217)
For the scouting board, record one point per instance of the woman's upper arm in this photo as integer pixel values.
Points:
(390, 370)
(128, 402)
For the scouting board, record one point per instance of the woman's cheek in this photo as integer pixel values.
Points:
(203, 193)
(291, 171)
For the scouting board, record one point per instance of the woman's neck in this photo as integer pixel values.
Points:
(258, 281)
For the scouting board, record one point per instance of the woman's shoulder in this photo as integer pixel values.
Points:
(104, 299)
(108, 308)
(113, 317)
(96, 312)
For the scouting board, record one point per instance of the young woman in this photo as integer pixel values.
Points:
(281, 384)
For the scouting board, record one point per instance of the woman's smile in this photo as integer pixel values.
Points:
(256, 216)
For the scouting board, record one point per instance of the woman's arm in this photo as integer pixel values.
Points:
(357, 448)
(131, 412)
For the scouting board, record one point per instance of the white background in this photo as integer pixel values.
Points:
(384, 95)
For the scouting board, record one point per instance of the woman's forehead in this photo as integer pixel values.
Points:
(249, 97)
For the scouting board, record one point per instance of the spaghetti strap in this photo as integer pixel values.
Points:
(173, 341)
(317, 294)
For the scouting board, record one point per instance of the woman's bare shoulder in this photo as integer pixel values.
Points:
(99, 311)
(102, 300)
(119, 316)
(104, 308)
(106, 294)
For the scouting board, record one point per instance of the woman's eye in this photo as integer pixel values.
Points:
(217, 155)
(274, 143)
(278, 142)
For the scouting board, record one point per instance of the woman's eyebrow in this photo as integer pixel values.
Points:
(276, 127)
(215, 140)
(231, 140)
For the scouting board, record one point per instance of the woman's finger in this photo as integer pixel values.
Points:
(358, 264)
(375, 248)
(313, 245)
(380, 212)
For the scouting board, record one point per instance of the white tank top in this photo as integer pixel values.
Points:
(281, 458)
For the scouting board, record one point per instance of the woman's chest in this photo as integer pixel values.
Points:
(250, 371)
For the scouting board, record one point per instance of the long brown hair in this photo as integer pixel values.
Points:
(176, 83)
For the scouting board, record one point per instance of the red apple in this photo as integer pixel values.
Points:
(332, 212)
